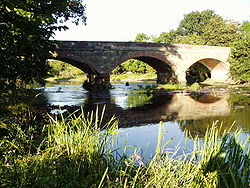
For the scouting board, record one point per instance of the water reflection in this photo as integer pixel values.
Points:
(135, 106)
(65, 95)
(140, 112)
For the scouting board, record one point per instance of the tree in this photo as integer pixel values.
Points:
(189, 30)
(246, 26)
(240, 59)
(195, 22)
(142, 37)
(25, 28)
(192, 39)
(166, 37)
(220, 32)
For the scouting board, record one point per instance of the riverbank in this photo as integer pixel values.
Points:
(67, 79)
(128, 77)
(131, 77)
(75, 153)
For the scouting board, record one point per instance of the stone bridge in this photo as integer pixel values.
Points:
(171, 61)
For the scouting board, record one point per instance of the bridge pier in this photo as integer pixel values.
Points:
(95, 82)
(181, 76)
(166, 77)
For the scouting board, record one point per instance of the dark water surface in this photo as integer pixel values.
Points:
(140, 112)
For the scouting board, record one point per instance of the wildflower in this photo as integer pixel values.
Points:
(137, 159)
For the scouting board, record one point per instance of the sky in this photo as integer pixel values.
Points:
(122, 20)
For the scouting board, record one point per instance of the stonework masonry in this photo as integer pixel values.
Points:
(169, 60)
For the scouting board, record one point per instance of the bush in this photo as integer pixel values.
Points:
(240, 59)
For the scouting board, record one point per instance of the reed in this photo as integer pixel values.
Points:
(76, 153)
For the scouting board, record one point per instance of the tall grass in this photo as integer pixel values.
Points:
(76, 153)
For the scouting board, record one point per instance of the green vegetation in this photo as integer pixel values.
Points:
(240, 59)
(194, 86)
(133, 66)
(131, 77)
(26, 27)
(75, 153)
(171, 86)
(197, 73)
(61, 70)
(202, 28)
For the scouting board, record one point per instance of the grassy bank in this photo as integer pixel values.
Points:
(68, 79)
(128, 77)
(75, 153)
(131, 77)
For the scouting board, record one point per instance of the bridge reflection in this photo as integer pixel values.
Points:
(167, 107)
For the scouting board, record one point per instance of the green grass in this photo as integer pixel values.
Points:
(131, 77)
(180, 86)
(171, 86)
(75, 153)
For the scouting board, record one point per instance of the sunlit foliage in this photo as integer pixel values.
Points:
(25, 28)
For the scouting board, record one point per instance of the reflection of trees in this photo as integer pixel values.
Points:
(198, 127)
(240, 105)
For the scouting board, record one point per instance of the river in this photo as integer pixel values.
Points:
(141, 112)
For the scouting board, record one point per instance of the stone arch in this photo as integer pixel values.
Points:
(80, 65)
(164, 68)
(94, 78)
(219, 70)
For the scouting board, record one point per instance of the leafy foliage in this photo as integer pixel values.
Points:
(60, 69)
(134, 66)
(193, 39)
(197, 73)
(26, 27)
(246, 26)
(202, 28)
(240, 59)
(194, 22)
(141, 37)
(166, 37)
(220, 32)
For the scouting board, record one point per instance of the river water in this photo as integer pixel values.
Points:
(140, 113)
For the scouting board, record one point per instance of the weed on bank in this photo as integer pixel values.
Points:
(75, 153)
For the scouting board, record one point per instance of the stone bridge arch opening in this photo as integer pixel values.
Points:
(207, 68)
(80, 65)
(164, 69)
(92, 75)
